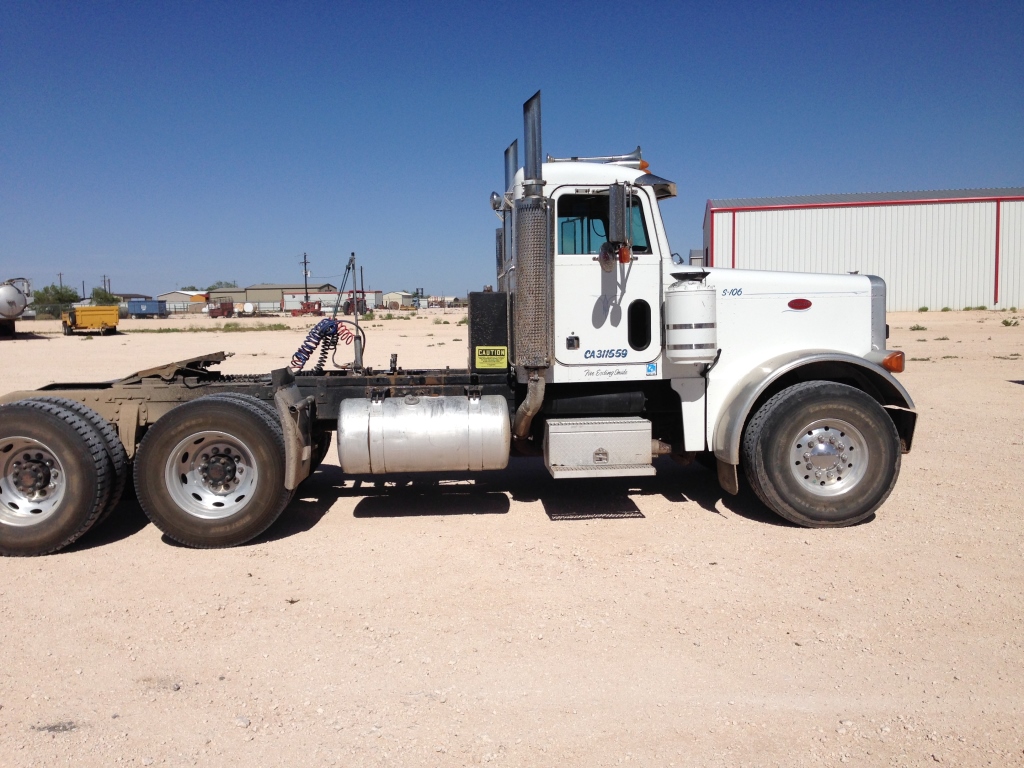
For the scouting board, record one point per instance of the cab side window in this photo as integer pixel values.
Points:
(583, 224)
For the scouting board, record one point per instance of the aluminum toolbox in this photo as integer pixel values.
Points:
(598, 447)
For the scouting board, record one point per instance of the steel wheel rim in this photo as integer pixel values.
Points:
(32, 482)
(200, 481)
(828, 457)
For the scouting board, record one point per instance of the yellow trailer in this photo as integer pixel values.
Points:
(102, 319)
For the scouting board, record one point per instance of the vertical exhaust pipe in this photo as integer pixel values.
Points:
(534, 185)
(511, 164)
(532, 307)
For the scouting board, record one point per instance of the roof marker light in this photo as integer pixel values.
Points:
(800, 304)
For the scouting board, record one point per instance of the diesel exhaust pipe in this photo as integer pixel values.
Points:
(529, 408)
(511, 164)
(533, 184)
(532, 307)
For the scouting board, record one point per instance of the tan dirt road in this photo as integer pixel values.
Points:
(515, 620)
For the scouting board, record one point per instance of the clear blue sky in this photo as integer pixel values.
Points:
(165, 144)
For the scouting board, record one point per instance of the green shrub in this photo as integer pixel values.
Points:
(922, 309)
(946, 309)
(1010, 323)
(918, 327)
(1013, 309)
(438, 321)
(388, 316)
(369, 316)
(942, 338)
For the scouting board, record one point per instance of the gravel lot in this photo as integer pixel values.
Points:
(518, 621)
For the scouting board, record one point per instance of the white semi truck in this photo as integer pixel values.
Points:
(598, 351)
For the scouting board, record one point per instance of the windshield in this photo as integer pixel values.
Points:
(583, 224)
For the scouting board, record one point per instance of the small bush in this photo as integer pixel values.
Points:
(388, 316)
(981, 308)
(922, 309)
(946, 309)
(942, 338)
(463, 321)
(438, 321)
(1010, 323)
(918, 327)
(456, 339)
(445, 322)
(1013, 309)
(920, 359)
(369, 316)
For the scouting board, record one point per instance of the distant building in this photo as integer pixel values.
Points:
(950, 248)
(398, 299)
(266, 293)
(184, 297)
(185, 301)
(124, 298)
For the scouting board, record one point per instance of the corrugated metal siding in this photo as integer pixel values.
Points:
(932, 255)
(868, 197)
(1011, 255)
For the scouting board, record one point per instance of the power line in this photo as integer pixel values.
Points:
(305, 274)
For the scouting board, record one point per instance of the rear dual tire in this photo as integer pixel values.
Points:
(211, 472)
(56, 477)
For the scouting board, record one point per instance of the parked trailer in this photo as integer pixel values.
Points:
(100, 319)
(597, 352)
(147, 308)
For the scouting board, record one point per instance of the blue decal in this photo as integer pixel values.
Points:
(652, 369)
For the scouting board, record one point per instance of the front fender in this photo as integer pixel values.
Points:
(783, 370)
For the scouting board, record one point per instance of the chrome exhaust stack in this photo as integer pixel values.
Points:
(532, 322)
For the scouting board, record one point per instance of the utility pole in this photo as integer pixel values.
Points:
(60, 279)
(305, 274)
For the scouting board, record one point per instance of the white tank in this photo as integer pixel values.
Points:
(12, 301)
(691, 335)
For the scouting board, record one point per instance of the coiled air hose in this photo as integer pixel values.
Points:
(326, 334)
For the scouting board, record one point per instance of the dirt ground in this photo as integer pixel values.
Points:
(520, 621)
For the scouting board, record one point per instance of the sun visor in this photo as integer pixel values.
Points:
(662, 187)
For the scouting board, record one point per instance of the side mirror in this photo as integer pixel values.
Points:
(618, 215)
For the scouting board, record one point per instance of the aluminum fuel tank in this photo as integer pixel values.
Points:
(423, 434)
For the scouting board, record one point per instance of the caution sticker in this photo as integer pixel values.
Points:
(491, 357)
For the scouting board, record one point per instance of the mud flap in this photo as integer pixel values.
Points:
(728, 477)
(295, 412)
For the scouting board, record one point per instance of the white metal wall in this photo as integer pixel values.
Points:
(930, 255)
(1011, 254)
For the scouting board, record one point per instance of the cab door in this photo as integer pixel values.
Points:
(604, 314)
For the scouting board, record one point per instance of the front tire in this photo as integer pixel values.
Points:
(821, 454)
(211, 472)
